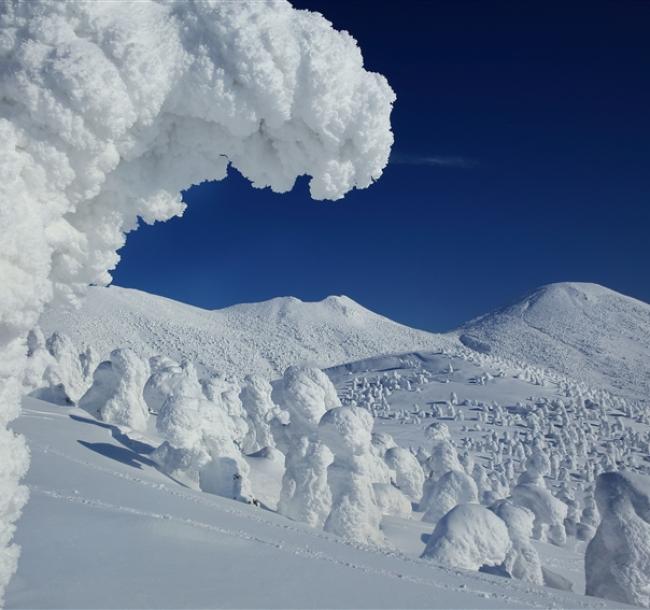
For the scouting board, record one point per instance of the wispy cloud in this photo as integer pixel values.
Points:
(433, 161)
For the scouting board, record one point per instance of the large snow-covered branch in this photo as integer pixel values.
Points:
(109, 109)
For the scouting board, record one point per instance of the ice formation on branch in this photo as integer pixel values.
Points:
(617, 560)
(97, 130)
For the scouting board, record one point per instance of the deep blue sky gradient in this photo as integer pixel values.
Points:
(549, 105)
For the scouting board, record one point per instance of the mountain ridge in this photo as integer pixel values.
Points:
(580, 330)
(264, 337)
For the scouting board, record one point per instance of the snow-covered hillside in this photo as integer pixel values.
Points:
(585, 331)
(263, 338)
(104, 528)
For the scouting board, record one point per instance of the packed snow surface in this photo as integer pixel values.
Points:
(257, 338)
(585, 331)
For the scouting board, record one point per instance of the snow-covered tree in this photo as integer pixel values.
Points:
(306, 394)
(538, 465)
(443, 458)
(549, 511)
(39, 360)
(409, 476)
(224, 392)
(391, 500)
(305, 494)
(166, 375)
(617, 560)
(260, 410)
(355, 514)
(469, 536)
(116, 395)
(453, 488)
(522, 560)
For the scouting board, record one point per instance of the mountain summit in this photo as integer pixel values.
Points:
(586, 331)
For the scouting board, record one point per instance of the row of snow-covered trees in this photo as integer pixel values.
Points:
(342, 477)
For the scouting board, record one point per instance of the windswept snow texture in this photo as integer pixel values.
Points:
(104, 528)
(259, 338)
(110, 109)
(585, 331)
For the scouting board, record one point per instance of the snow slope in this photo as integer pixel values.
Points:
(584, 331)
(262, 338)
(103, 528)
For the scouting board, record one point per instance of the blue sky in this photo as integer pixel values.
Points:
(521, 157)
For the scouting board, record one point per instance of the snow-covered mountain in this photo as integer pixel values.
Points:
(585, 331)
(262, 338)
